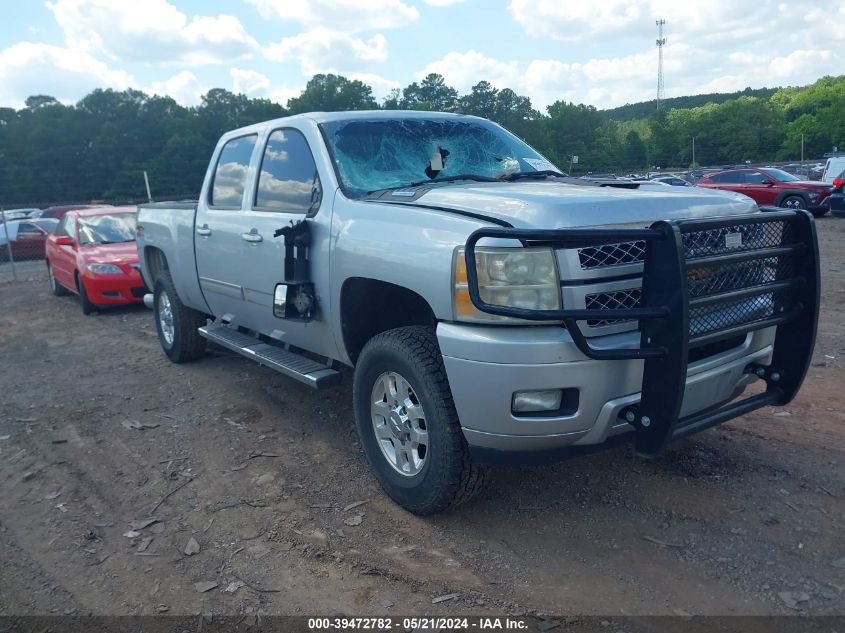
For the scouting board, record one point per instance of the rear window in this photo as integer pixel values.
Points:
(231, 172)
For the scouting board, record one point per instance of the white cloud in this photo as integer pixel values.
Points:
(249, 81)
(150, 31)
(27, 68)
(281, 94)
(350, 16)
(464, 70)
(381, 86)
(184, 87)
(443, 3)
(321, 50)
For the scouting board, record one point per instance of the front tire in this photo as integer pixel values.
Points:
(176, 323)
(56, 288)
(87, 306)
(794, 202)
(408, 425)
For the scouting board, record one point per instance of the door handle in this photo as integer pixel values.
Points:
(203, 230)
(252, 236)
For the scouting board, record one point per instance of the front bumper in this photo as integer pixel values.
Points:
(486, 365)
(704, 284)
(114, 289)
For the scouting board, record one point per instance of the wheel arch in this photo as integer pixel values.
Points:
(370, 306)
(783, 195)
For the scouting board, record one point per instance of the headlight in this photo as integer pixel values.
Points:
(105, 269)
(511, 277)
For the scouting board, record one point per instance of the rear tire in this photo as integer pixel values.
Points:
(56, 288)
(402, 403)
(177, 324)
(87, 306)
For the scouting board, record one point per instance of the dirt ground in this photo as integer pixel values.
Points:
(747, 518)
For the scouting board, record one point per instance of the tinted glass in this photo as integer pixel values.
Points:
(231, 172)
(288, 180)
(754, 177)
(729, 177)
(61, 229)
(28, 228)
(107, 229)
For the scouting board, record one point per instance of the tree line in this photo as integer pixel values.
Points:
(99, 148)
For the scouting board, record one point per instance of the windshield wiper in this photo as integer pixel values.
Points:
(531, 174)
(420, 183)
(476, 177)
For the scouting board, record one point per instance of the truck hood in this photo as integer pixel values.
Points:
(552, 205)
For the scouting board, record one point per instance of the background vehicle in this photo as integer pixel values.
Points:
(833, 168)
(837, 197)
(92, 253)
(671, 179)
(26, 237)
(18, 214)
(490, 306)
(59, 211)
(772, 186)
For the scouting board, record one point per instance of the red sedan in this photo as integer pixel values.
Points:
(92, 253)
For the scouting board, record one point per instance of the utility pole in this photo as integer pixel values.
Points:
(661, 42)
(693, 151)
(802, 148)
(147, 183)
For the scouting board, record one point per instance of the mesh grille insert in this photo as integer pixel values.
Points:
(708, 280)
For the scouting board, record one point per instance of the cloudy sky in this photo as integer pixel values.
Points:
(601, 52)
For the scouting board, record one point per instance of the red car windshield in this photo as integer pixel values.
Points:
(107, 229)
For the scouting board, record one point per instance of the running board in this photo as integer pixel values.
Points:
(283, 361)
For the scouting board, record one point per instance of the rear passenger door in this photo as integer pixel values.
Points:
(219, 229)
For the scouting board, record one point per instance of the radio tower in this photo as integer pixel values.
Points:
(661, 42)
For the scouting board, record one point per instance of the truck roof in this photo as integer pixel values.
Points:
(326, 117)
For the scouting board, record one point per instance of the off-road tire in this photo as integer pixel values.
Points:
(448, 477)
(87, 306)
(56, 288)
(187, 344)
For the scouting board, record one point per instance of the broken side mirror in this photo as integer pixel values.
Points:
(294, 301)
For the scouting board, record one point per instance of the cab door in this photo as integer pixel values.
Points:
(287, 191)
(218, 230)
(760, 186)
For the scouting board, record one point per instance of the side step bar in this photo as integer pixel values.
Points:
(283, 361)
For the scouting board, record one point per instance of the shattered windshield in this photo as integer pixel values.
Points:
(377, 154)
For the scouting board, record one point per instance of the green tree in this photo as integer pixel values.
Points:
(333, 93)
(431, 94)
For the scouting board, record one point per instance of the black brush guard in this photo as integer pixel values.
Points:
(699, 280)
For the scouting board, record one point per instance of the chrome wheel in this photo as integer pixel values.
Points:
(165, 318)
(399, 424)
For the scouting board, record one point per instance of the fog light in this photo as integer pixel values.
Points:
(531, 401)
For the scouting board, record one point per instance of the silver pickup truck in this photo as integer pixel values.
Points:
(491, 306)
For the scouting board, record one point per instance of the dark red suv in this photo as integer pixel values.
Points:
(772, 186)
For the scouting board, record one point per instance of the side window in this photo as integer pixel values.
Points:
(754, 177)
(288, 181)
(730, 178)
(61, 227)
(27, 228)
(231, 171)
